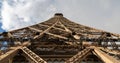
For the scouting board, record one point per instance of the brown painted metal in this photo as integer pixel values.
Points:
(59, 39)
(34, 58)
(79, 56)
(10, 54)
(105, 57)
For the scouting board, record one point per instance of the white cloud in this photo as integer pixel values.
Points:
(20, 13)
(102, 14)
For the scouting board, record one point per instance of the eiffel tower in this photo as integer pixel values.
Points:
(59, 40)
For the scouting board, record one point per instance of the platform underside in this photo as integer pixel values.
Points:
(59, 40)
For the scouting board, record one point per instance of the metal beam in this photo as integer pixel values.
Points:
(10, 54)
(41, 34)
(57, 36)
(68, 30)
(79, 56)
(37, 45)
(116, 52)
(32, 56)
(48, 33)
(54, 28)
(105, 57)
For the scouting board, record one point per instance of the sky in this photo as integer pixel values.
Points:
(100, 14)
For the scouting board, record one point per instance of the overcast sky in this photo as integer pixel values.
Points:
(101, 14)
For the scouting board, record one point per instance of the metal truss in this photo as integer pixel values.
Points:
(59, 38)
(79, 56)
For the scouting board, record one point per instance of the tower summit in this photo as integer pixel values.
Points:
(58, 14)
(59, 40)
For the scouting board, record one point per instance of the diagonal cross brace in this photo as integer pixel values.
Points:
(79, 56)
(10, 54)
(41, 34)
(68, 30)
(35, 58)
(54, 28)
(48, 33)
(12, 51)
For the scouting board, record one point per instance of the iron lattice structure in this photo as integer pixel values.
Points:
(59, 40)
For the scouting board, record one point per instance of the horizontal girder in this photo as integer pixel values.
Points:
(67, 39)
